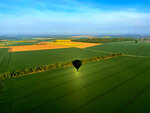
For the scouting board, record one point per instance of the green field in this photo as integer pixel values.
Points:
(20, 43)
(116, 85)
(2, 54)
(4, 59)
(142, 49)
(21, 60)
(27, 59)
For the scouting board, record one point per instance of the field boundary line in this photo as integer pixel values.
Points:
(55, 66)
(97, 51)
(66, 82)
(61, 76)
(136, 56)
(129, 55)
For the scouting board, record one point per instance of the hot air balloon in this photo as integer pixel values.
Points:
(77, 64)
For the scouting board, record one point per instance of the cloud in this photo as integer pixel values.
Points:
(81, 20)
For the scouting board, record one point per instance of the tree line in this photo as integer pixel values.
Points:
(52, 66)
(102, 40)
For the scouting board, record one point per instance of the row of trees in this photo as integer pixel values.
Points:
(102, 40)
(99, 58)
(52, 66)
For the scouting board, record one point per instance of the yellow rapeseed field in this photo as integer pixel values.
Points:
(62, 40)
(65, 43)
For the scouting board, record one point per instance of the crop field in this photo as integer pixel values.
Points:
(23, 43)
(20, 43)
(1, 44)
(36, 47)
(4, 59)
(31, 46)
(132, 48)
(2, 54)
(27, 59)
(77, 44)
(65, 43)
(119, 84)
(116, 85)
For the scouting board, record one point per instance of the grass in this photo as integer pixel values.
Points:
(95, 87)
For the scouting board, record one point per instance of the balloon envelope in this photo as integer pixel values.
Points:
(77, 64)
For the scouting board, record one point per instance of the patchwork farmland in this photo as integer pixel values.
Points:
(116, 85)
(18, 46)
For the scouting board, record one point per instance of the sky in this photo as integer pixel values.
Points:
(74, 17)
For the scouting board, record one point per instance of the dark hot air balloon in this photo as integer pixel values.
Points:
(77, 64)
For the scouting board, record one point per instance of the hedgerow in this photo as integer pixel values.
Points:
(52, 66)
(102, 40)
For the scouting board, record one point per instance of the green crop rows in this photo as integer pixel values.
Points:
(142, 49)
(94, 88)
(4, 59)
(20, 43)
(117, 85)
(22, 60)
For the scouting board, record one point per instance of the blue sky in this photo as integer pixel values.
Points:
(74, 17)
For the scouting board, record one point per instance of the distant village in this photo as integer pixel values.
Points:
(145, 40)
